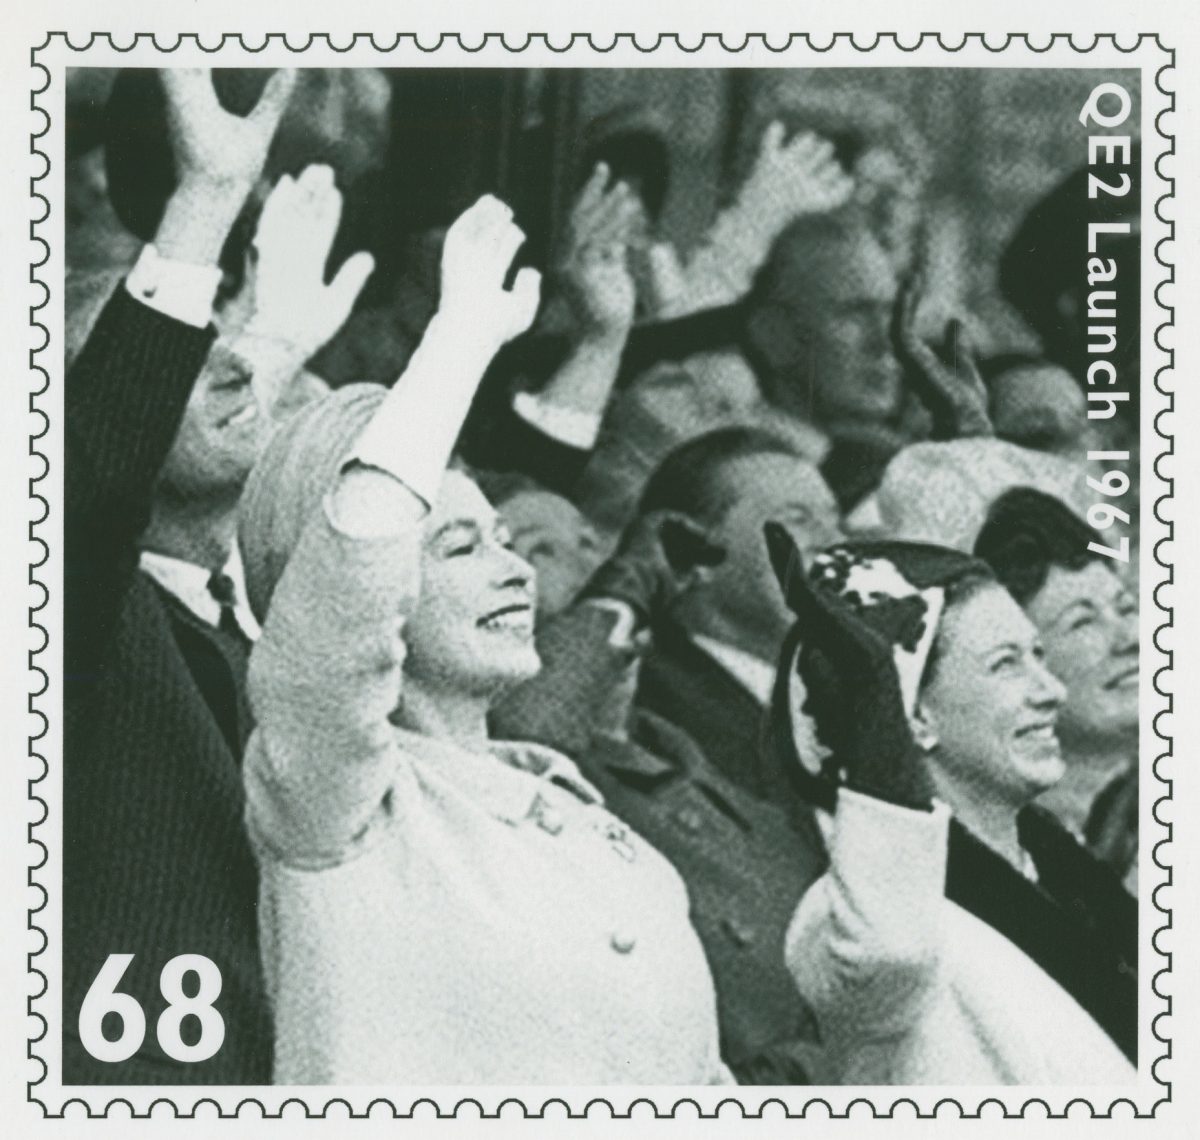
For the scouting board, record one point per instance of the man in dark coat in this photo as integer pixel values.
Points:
(745, 861)
(155, 860)
(712, 665)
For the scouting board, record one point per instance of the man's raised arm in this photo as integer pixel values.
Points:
(127, 391)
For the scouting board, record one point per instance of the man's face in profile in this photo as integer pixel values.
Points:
(762, 488)
(823, 328)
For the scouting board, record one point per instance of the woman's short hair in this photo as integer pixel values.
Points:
(1025, 534)
(957, 593)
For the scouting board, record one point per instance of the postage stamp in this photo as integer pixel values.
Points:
(592, 574)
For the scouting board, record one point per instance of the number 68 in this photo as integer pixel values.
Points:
(102, 998)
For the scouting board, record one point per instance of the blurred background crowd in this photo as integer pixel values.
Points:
(849, 301)
(962, 175)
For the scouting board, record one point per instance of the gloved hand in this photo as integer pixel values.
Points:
(945, 379)
(654, 564)
(853, 688)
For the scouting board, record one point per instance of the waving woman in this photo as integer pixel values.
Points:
(960, 936)
(437, 907)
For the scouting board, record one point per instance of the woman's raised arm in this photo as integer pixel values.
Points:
(326, 675)
(865, 943)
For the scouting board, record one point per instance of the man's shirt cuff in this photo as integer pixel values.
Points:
(174, 288)
(565, 425)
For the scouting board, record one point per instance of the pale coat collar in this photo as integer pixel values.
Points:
(508, 779)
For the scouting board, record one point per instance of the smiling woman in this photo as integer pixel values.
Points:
(961, 936)
(988, 711)
(1088, 619)
(472, 628)
(395, 838)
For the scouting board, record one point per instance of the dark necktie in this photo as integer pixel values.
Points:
(220, 586)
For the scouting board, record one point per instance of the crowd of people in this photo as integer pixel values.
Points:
(681, 668)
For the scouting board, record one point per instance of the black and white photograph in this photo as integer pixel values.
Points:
(576, 575)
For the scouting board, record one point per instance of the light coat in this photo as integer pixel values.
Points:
(430, 915)
(910, 988)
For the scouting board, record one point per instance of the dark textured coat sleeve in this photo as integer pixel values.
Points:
(580, 669)
(496, 438)
(511, 443)
(125, 397)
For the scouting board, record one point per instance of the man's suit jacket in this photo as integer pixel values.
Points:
(746, 867)
(684, 685)
(156, 862)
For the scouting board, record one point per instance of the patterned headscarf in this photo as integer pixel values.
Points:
(899, 590)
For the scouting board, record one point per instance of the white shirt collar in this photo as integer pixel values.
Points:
(755, 675)
(189, 583)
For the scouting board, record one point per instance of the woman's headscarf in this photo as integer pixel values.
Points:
(1076, 923)
(290, 480)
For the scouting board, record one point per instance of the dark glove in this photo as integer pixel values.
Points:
(654, 564)
(946, 380)
(853, 689)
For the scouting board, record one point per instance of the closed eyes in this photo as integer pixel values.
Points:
(463, 539)
(1012, 656)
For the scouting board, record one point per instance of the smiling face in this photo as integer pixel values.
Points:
(1088, 622)
(223, 431)
(991, 703)
(557, 541)
(472, 629)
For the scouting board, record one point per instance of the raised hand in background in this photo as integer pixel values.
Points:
(296, 230)
(605, 221)
(286, 312)
(794, 177)
(789, 179)
(946, 379)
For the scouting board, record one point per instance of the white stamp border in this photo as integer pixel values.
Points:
(1146, 52)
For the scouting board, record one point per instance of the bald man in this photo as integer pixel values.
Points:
(819, 330)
